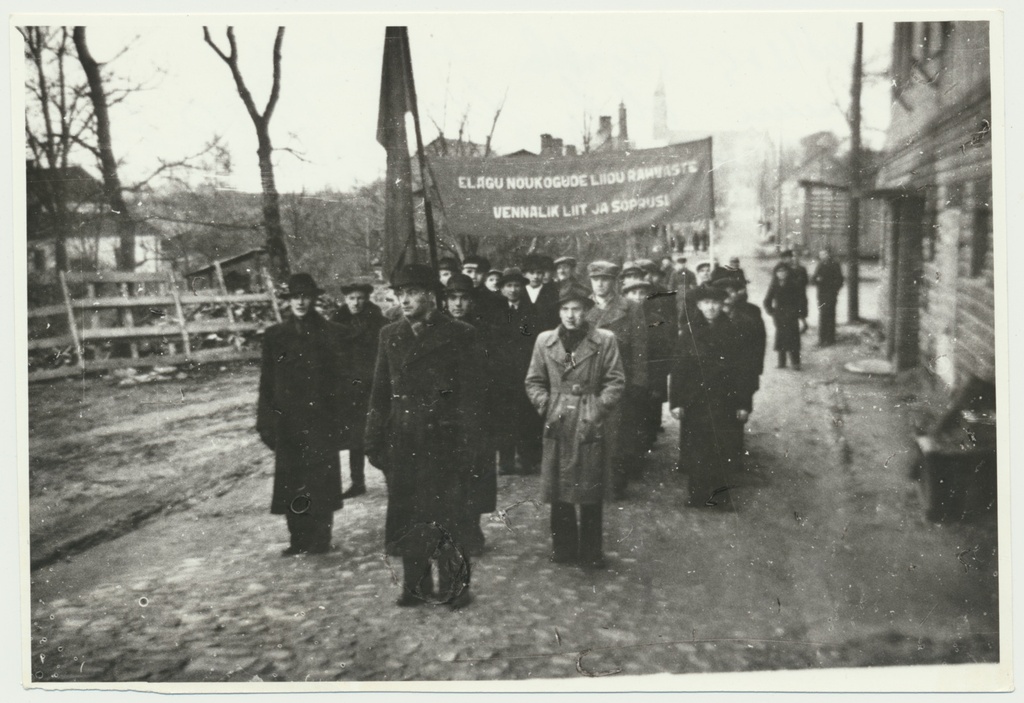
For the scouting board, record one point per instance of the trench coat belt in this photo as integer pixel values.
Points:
(574, 389)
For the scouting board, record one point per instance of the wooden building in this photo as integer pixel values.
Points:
(936, 182)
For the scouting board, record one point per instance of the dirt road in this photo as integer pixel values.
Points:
(826, 563)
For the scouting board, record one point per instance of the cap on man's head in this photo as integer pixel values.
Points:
(418, 275)
(596, 269)
(640, 283)
(570, 260)
(703, 265)
(730, 283)
(479, 263)
(648, 265)
(303, 284)
(570, 291)
(357, 287)
(511, 275)
(459, 283)
(679, 258)
(631, 268)
(709, 292)
(786, 253)
(535, 262)
(449, 263)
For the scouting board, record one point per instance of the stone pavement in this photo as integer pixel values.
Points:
(827, 562)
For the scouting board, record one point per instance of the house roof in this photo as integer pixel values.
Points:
(237, 258)
(79, 185)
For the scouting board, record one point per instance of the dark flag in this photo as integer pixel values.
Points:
(396, 99)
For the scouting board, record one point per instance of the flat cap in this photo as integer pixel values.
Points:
(571, 260)
(708, 292)
(602, 268)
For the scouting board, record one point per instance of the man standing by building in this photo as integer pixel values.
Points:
(303, 404)
(361, 320)
(828, 279)
(625, 319)
(424, 414)
(786, 302)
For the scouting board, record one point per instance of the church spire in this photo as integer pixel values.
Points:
(660, 112)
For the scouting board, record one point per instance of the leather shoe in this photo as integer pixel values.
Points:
(356, 489)
(409, 600)
(462, 600)
(292, 551)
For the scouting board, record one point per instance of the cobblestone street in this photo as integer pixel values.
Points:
(826, 563)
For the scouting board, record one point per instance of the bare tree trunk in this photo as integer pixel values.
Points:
(108, 164)
(277, 252)
(853, 263)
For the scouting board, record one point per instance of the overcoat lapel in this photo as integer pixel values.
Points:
(435, 336)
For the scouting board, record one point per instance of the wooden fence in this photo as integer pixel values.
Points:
(127, 319)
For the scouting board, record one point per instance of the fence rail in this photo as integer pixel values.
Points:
(102, 321)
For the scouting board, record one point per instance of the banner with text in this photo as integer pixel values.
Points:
(596, 193)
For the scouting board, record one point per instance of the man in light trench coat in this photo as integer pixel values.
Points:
(575, 382)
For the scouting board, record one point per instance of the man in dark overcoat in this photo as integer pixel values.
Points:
(482, 480)
(705, 397)
(752, 336)
(625, 319)
(361, 320)
(544, 296)
(662, 331)
(828, 280)
(424, 413)
(488, 304)
(301, 411)
(514, 331)
(786, 302)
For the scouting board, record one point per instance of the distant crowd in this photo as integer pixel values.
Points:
(548, 369)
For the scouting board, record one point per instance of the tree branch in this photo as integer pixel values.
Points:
(275, 89)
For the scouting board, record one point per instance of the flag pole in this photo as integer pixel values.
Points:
(428, 210)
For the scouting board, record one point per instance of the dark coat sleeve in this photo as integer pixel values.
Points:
(374, 439)
(266, 425)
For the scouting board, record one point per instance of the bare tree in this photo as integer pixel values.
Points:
(56, 117)
(112, 190)
(275, 244)
(853, 257)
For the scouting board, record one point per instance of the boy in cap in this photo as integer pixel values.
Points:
(461, 298)
(544, 296)
(565, 270)
(515, 329)
(446, 266)
(362, 320)
(303, 406)
(422, 439)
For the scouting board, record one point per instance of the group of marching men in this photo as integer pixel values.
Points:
(476, 372)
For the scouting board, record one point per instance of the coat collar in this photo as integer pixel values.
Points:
(590, 345)
(437, 333)
(617, 308)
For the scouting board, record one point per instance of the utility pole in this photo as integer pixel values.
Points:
(779, 229)
(853, 241)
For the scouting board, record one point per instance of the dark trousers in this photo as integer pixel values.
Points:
(572, 541)
(794, 355)
(357, 467)
(826, 321)
(520, 432)
(310, 532)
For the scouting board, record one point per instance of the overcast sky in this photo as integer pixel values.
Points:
(783, 73)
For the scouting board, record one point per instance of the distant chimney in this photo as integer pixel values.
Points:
(545, 144)
(570, 150)
(606, 126)
(623, 131)
(556, 147)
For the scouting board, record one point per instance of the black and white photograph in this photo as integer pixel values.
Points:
(512, 351)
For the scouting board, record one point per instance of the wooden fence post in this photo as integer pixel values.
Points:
(71, 321)
(181, 316)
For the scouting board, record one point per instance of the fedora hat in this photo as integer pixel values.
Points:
(416, 275)
(303, 283)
